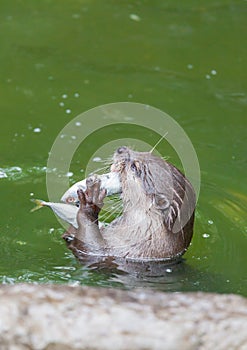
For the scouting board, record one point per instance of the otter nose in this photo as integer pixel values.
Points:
(122, 149)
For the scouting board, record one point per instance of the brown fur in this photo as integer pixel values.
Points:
(158, 212)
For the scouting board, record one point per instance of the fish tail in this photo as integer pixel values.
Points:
(39, 204)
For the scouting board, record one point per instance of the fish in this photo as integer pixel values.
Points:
(67, 212)
(68, 208)
(109, 181)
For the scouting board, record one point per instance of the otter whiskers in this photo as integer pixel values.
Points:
(162, 137)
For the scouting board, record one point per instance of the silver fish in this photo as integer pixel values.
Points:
(109, 181)
(66, 212)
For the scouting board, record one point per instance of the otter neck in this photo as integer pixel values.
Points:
(133, 194)
(138, 205)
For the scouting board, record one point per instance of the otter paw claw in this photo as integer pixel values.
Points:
(91, 201)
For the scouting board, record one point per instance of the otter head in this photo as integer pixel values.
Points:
(156, 185)
(144, 176)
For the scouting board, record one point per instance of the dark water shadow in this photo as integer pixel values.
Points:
(163, 276)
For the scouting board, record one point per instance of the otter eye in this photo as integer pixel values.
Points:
(136, 169)
(133, 167)
(121, 150)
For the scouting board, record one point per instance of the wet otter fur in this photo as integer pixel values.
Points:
(158, 212)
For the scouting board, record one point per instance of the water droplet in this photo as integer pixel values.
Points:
(31, 194)
(73, 137)
(190, 66)
(134, 17)
(21, 242)
(205, 235)
(51, 230)
(68, 111)
(210, 222)
(76, 94)
(64, 96)
(61, 104)
(207, 76)
(213, 72)
(69, 174)
(169, 270)
(78, 123)
(37, 130)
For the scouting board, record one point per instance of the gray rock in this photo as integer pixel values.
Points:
(43, 317)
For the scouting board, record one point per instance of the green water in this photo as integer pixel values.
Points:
(61, 58)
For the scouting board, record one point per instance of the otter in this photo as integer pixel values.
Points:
(158, 212)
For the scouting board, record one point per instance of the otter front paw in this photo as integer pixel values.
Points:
(91, 201)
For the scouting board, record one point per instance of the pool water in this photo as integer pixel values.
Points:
(59, 59)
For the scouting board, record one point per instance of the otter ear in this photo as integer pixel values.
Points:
(161, 201)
